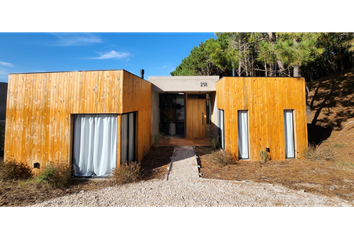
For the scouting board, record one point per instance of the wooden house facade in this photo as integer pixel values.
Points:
(72, 117)
(97, 120)
(262, 114)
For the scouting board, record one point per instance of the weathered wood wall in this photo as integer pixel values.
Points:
(137, 97)
(40, 107)
(265, 99)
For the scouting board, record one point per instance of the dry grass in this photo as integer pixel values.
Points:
(56, 175)
(14, 170)
(326, 177)
(221, 158)
(319, 153)
(127, 173)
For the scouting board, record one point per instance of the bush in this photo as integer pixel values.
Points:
(156, 139)
(319, 153)
(222, 158)
(56, 175)
(127, 173)
(14, 170)
(214, 144)
(264, 156)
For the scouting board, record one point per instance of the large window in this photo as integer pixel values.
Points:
(289, 134)
(95, 144)
(242, 117)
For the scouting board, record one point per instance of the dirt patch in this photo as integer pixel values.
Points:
(25, 193)
(320, 177)
(156, 161)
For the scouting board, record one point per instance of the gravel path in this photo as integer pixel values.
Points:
(185, 189)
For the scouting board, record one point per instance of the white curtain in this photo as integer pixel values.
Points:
(222, 129)
(95, 144)
(243, 135)
(289, 134)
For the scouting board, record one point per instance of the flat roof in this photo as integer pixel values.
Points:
(184, 83)
(81, 71)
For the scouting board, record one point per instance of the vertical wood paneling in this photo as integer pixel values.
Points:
(136, 95)
(265, 99)
(40, 110)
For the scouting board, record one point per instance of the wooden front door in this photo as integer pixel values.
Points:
(196, 118)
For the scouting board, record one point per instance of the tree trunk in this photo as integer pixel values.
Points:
(239, 68)
(266, 70)
(281, 68)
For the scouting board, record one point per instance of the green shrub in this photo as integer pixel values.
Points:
(127, 173)
(214, 144)
(14, 170)
(56, 175)
(264, 156)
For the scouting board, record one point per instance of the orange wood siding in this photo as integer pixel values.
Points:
(39, 108)
(265, 99)
(137, 97)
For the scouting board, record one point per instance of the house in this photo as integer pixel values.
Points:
(97, 120)
(92, 120)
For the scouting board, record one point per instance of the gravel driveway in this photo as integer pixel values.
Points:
(184, 188)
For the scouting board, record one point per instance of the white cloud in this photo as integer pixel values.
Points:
(76, 39)
(112, 54)
(6, 64)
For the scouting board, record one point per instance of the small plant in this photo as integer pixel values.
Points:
(127, 173)
(156, 139)
(264, 156)
(221, 158)
(214, 143)
(56, 175)
(338, 145)
(14, 170)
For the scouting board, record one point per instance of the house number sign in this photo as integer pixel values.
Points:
(203, 84)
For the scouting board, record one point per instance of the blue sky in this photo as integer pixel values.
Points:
(157, 53)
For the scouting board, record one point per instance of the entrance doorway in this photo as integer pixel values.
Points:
(196, 118)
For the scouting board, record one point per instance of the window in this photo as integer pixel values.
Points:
(289, 134)
(222, 128)
(128, 138)
(242, 117)
(95, 144)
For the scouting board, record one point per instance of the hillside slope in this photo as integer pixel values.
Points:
(332, 117)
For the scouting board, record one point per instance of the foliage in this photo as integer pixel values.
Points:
(127, 173)
(200, 62)
(170, 113)
(264, 156)
(270, 54)
(56, 175)
(156, 139)
(14, 170)
(215, 143)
